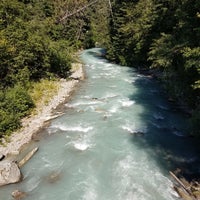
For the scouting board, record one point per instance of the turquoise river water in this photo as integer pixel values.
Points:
(117, 140)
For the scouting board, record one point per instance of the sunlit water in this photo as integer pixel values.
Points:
(117, 140)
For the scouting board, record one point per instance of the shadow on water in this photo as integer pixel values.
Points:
(166, 138)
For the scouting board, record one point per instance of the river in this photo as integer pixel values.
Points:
(117, 140)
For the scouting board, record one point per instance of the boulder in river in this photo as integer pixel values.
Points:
(18, 195)
(137, 133)
(54, 177)
(9, 172)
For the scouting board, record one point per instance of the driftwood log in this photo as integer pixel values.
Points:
(184, 190)
(182, 193)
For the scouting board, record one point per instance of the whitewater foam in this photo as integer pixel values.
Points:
(127, 103)
(114, 109)
(81, 146)
(131, 80)
(90, 191)
(73, 128)
(92, 102)
(129, 128)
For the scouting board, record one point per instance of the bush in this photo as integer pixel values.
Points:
(18, 101)
(60, 58)
(15, 103)
(9, 122)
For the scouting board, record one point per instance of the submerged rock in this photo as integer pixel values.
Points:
(9, 173)
(18, 195)
(81, 147)
(100, 110)
(137, 133)
(54, 177)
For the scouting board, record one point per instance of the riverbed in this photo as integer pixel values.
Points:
(117, 140)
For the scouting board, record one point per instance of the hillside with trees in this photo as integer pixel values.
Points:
(38, 40)
(34, 45)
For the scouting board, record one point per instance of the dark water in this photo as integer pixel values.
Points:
(117, 140)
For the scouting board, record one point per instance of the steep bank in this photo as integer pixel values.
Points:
(33, 123)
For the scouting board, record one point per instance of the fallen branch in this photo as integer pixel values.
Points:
(77, 11)
(182, 193)
(110, 8)
(186, 189)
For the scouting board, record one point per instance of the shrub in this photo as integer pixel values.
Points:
(15, 103)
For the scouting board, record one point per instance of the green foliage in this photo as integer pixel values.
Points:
(161, 54)
(60, 58)
(18, 101)
(192, 63)
(133, 28)
(99, 18)
(15, 103)
(9, 122)
(32, 44)
(41, 92)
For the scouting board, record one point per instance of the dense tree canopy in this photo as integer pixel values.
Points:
(33, 45)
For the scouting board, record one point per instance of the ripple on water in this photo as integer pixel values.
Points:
(114, 109)
(132, 128)
(110, 95)
(90, 191)
(32, 183)
(179, 133)
(162, 107)
(158, 116)
(130, 80)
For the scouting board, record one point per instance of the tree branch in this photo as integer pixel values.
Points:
(77, 11)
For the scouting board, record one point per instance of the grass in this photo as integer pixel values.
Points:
(75, 66)
(42, 92)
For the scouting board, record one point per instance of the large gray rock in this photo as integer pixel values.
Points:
(9, 172)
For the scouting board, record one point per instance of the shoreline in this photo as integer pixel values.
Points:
(33, 123)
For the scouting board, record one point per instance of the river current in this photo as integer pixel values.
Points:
(117, 140)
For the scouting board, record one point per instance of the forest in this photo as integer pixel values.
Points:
(39, 38)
